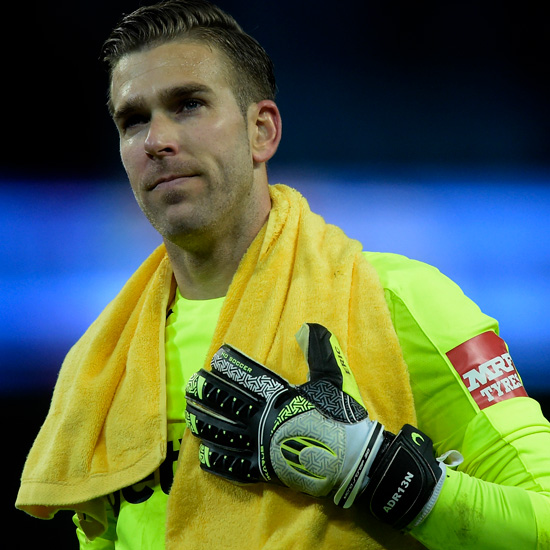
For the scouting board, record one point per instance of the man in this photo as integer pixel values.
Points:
(248, 264)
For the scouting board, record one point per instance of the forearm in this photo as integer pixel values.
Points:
(472, 513)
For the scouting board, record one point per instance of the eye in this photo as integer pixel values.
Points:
(189, 105)
(133, 120)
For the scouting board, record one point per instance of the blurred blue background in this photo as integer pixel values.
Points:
(422, 128)
(72, 247)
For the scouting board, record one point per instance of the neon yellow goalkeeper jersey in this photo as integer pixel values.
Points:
(468, 396)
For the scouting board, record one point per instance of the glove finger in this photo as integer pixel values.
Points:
(223, 398)
(236, 466)
(326, 360)
(214, 429)
(314, 341)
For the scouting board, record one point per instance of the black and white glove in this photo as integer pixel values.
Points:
(315, 438)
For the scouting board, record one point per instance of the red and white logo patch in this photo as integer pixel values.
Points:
(487, 369)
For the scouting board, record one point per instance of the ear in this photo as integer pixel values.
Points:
(266, 127)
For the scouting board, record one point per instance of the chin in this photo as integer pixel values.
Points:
(176, 222)
(184, 236)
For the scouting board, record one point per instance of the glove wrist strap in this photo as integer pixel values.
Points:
(404, 479)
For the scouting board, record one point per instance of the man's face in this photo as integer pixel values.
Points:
(184, 142)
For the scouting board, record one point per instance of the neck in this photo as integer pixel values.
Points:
(201, 276)
(204, 267)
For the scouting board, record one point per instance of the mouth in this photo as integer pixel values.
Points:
(172, 180)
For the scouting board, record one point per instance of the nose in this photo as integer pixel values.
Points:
(162, 137)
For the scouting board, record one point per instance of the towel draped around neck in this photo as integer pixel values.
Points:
(106, 428)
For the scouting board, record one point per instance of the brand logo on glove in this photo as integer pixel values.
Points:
(487, 369)
(415, 437)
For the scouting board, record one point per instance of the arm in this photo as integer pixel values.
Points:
(500, 495)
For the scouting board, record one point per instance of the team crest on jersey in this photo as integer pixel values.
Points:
(487, 370)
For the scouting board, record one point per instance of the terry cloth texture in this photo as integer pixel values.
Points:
(106, 428)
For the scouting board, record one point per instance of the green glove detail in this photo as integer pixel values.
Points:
(316, 438)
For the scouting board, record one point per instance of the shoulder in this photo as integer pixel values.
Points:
(429, 299)
(404, 274)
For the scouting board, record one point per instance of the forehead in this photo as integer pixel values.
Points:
(170, 64)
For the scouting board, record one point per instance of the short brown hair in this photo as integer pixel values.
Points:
(149, 26)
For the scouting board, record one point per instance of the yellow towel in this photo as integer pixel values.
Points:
(107, 425)
(106, 428)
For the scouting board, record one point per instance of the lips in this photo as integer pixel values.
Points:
(170, 178)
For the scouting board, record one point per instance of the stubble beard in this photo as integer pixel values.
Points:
(219, 212)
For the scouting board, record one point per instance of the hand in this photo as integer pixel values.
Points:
(315, 438)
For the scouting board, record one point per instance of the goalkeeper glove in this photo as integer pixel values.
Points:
(315, 438)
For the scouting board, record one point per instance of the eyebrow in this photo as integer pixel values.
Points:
(167, 95)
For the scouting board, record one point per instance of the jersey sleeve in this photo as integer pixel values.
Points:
(499, 497)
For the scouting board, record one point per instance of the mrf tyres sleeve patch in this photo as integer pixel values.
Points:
(487, 370)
